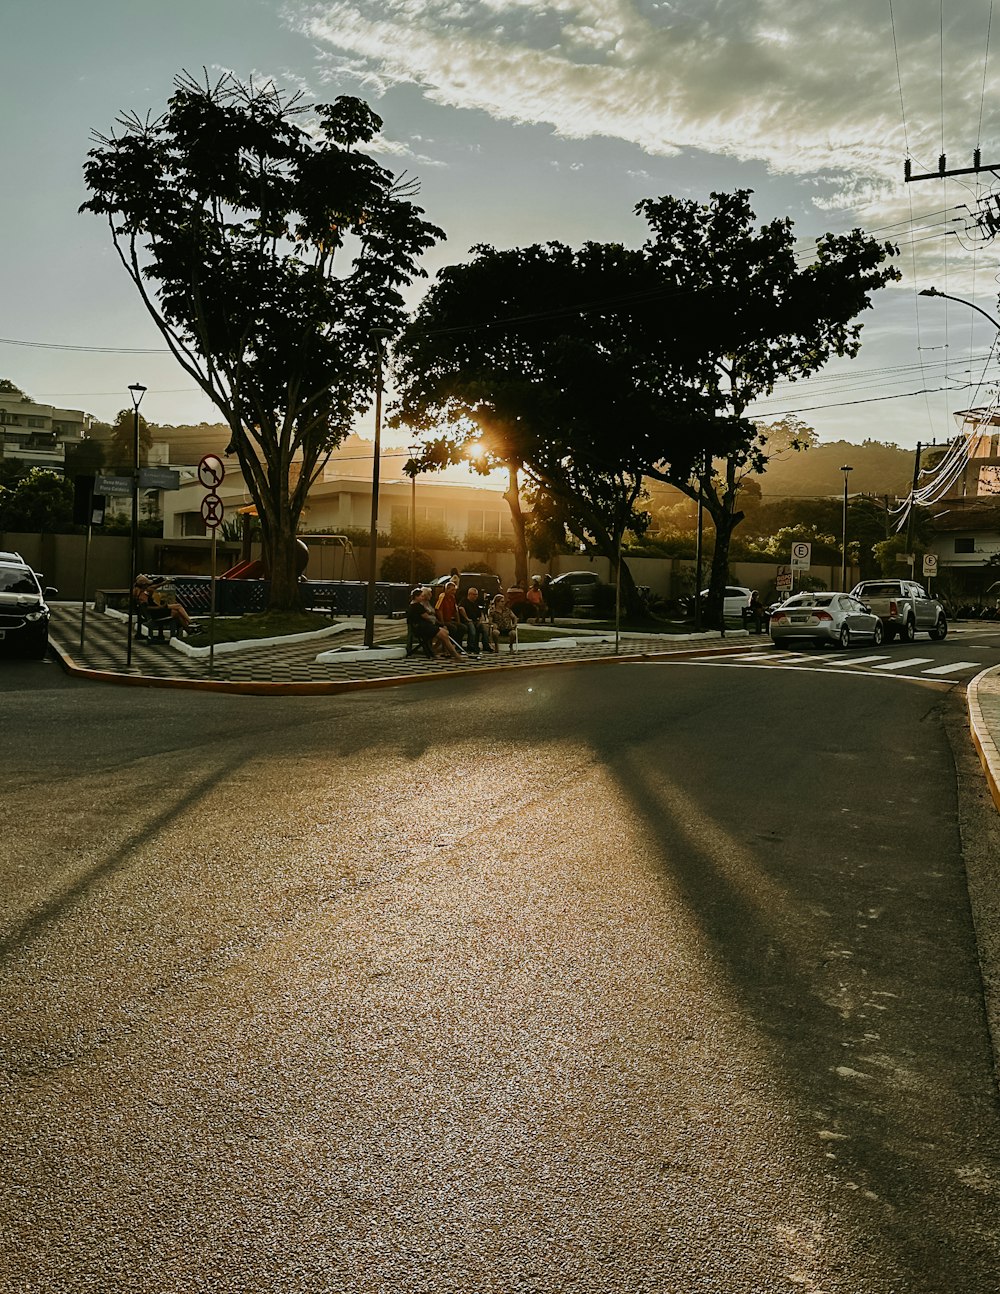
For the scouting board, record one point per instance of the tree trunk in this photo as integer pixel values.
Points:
(513, 496)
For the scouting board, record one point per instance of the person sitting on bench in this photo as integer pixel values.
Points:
(423, 625)
(502, 623)
(156, 603)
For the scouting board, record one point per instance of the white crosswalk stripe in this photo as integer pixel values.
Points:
(953, 669)
(857, 660)
(906, 664)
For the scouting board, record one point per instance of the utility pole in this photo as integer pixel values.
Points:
(913, 491)
(942, 173)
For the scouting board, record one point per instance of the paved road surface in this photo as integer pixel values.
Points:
(637, 978)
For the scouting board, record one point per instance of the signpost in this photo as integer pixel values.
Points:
(930, 567)
(211, 473)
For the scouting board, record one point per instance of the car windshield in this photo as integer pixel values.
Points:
(18, 582)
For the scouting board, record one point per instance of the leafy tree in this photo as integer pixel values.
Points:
(85, 458)
(40, 503)
(267, 248)
(587, 370)
(121, 447)
(396, 567)
(748, 315)
(7, 387)
(512, 357)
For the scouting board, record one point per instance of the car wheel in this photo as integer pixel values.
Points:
(940, 630)
(909, 631)
(877, 634)
(845, 636)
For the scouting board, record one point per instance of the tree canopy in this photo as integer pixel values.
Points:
(589, 369)
(267, 247)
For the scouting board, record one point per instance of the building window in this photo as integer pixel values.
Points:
(192, 524)
(36, 422)
(965, 545)
(486, 524)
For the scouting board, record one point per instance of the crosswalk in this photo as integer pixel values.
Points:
(885, 663)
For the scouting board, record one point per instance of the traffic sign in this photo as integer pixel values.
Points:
(159, 478)
(120, 486)
(801, 556)
(211, 471)
(930, 564)
(212, 511)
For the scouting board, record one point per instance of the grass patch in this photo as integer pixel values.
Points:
(267, 624)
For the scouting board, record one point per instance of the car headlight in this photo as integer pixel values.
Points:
(32, 616)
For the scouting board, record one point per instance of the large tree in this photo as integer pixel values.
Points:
(749, 314)
(636, 361)
(519, 357)
(269, 251)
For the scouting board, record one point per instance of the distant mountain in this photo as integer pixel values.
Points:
(878, 468)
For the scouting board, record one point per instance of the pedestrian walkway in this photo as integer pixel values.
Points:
(289, 663)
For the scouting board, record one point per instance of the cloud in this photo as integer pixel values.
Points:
(811, 92)
(802, 88)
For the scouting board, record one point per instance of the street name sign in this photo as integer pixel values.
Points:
(118, 485)
(159, 478)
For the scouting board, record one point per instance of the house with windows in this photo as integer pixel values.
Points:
(37, 435)
(967, 517)
(342, 498)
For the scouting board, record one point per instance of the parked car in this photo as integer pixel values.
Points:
(735, 598)
(24, 615)
(824, 618)
(488, 585)
(576, 590)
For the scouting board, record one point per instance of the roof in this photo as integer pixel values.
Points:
(978, 512)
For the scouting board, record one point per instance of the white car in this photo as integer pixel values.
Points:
(735, 599)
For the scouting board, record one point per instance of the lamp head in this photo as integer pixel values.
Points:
(137, 391)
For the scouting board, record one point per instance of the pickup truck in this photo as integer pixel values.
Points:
(904, 608)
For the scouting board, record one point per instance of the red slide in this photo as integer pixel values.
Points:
(244, 571)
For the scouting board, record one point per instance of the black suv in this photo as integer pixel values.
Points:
(24, 617)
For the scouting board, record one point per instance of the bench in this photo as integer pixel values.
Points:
(152, 618)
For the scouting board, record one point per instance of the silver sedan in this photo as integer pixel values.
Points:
(825, 618)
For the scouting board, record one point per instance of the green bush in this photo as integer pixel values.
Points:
(395, 568)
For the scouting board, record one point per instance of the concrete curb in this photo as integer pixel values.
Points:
(987, 682)
(334, 687)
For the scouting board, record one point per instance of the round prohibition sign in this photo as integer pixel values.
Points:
(211, 471)
(212, 511)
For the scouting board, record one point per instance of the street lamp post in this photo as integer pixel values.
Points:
(414, 450)
(843, 573)
(136, 391)
(378, 335)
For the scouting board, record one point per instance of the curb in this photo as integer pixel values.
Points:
(983, 740)
(334, 687)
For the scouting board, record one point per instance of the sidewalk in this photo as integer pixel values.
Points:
(290, 666)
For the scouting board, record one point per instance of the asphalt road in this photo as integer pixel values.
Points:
(616, 979)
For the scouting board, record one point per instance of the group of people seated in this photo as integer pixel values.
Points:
(460, 629)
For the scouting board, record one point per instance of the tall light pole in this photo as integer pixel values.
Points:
(378, 335)
(413, 450)
(136, 391)
(843, 573)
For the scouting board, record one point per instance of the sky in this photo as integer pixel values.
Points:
(526, 122)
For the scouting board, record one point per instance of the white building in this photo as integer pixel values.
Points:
(37, 435)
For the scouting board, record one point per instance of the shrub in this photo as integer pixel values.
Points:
(395, 568)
